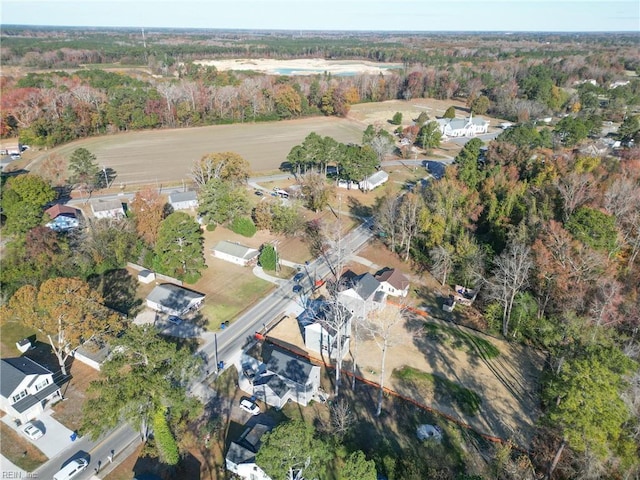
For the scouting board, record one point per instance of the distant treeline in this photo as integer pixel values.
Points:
(518, 79)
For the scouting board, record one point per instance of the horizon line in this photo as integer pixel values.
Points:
(320, 30)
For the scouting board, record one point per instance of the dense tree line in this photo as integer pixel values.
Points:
(551, 240)
(57, 107)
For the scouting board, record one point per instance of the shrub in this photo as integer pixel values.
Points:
(165, 441)
(397, 118)
(268, 257)
(211, 227)
(243, 226)
(450, 113)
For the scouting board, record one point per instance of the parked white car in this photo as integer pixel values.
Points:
(31, 431)
(249, 406)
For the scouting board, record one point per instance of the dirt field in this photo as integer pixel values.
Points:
(165, 156)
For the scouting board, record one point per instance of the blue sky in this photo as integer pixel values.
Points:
(363, 15)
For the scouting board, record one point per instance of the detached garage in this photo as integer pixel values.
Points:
(235, 253)
(174, 300)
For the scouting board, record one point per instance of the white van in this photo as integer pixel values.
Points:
(71, 470)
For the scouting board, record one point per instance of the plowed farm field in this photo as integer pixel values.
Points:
(166, 156)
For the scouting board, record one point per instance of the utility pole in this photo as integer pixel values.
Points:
(106, 178)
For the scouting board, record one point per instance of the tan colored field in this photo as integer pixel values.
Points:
(165, 156)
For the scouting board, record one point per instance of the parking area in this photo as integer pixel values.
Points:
(56, 436)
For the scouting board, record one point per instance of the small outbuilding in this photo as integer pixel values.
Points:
(235, 253)
(183, 200)
(173, 299)
(146, 276)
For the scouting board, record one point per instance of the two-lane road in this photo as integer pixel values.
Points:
(232, 339)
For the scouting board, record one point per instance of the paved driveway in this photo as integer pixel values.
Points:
(56, 436)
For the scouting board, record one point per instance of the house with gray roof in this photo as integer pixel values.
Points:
(107, 209)
(326, 325)
(26, 388)
(283, 377)
(235, 253)
(374, 180)
(362, 295)
(173, 299)
(183, 200)
(241, 456)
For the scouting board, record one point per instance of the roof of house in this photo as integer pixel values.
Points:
(393, 277)
(379, 176)
(244, 449)
(173, 296)
(106, 205)
(178, 197)
(14, 370)
(59, 209)
(289, 367)
(235, 250)
(365, 285)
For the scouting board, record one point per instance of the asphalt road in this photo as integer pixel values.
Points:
(241, 332)
(115, 441)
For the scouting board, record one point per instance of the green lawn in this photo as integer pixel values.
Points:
(461, 340)
(443, 390)
(10, 333)
(218, 310)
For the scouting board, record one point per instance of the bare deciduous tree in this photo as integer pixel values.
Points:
(575, 190)
(442, 261)
(382, 326)
(510, 276)
(342, 417)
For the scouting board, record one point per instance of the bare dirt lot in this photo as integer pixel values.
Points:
(508, 408)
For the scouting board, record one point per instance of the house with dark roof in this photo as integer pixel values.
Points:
(281, 378)
(183, 200)
(235, 253)
(174, 300)
(241, 456)
(63, 218)
(393, 282)
(26, 388)
(362, 295)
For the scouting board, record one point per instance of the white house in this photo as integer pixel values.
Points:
(319, 324)
(284, 377)
(183, 200)
(63, 218)
(374, 180)
(107, 209)
(393, 282)
(174, 300)
(463, 127)
(362, 295)
(241, 456)
(26, 389)
(235, 253)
